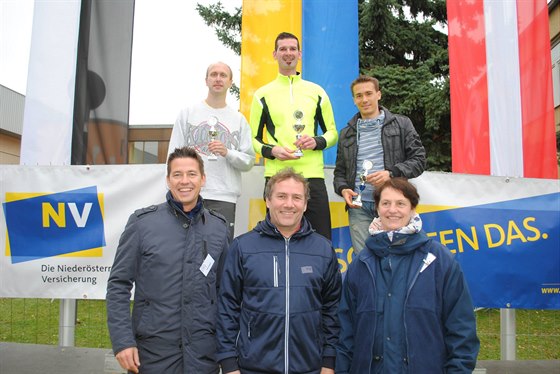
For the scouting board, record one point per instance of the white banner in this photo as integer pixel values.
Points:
(30, 265)
(49, 102)
(63, 224)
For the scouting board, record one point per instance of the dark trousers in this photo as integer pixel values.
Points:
(226, 209)
(318, 211)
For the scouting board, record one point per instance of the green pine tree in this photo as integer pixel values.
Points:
(226, 26)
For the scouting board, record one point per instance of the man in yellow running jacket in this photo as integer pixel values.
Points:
(283, 105)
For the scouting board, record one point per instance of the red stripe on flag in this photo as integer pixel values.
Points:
(539, 138)
(470, 138)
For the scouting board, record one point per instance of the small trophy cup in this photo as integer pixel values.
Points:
(213, 134)
(298, 127)
(366, 165)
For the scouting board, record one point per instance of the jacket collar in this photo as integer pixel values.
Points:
(352, 122)
(379, 246)
(177, 207)
(402, 244)
(287, 79)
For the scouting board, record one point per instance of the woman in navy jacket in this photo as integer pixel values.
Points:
(405, 305)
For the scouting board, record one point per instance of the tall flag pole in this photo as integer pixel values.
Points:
(262, 21)
(79, 68)
(77, 102)
(331, 55)
(329, 44)
(102, 89)
(502, 112)
(47, 118)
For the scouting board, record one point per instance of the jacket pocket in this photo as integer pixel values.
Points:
(275, 270)
(348, 140)
(391, 131)
(249, 328)
(212, 293)
(141, 318)
(259, 341)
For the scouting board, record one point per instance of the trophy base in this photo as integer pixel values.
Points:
(212, 157)
(298, 153)
(357, 203)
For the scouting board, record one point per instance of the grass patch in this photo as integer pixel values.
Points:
(36, 321)
(537, 336)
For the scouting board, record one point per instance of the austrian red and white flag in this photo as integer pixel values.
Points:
(502, 113)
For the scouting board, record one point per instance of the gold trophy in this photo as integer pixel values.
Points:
(366, 165)
(298, 127)
(212, 134)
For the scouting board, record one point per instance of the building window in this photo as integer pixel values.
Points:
(555, 52)
(143, 153)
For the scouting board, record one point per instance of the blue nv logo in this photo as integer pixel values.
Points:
(64, 223)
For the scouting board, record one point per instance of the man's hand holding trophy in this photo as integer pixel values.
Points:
(212, 135)
(366, 166)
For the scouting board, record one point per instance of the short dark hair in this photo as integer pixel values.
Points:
(364, 79)
(185, 152)
(285, 35)
(400, 184)
(282, 175)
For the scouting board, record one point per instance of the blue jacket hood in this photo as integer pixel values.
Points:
(402, 244)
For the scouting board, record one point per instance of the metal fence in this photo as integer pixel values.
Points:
(36, 321)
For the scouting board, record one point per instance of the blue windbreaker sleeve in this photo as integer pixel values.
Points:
(229, 309)
(331, 299)
(459, 324)
(221, 262)
(346, 314)
(119, 285)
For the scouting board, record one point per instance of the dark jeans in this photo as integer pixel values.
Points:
(225, 209)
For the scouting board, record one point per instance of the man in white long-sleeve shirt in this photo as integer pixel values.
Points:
(231, 148)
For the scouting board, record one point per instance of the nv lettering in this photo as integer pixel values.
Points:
(58, 215)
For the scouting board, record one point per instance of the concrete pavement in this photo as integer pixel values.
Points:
(16, 358)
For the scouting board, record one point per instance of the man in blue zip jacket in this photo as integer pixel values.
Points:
(277, 310)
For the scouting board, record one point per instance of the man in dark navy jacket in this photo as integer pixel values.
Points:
(277, 310)
(172, 254)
